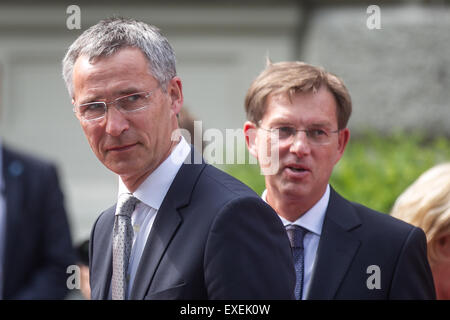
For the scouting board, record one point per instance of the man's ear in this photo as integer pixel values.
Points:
(443, 246)
(250, 138)
(76, 113)
(175, 92)
(343, 138)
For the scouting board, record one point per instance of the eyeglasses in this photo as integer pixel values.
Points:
(316, 136)
(97, 110)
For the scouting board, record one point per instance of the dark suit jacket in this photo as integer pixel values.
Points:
(213, 238)
(38, 246)
(355, 237)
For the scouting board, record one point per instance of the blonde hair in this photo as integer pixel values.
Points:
(291, 77)
(426, 204)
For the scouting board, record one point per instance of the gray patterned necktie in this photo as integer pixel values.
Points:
(296, 235)
(122, 243)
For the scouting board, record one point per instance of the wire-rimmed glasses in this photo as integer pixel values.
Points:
(97, 110)
(316, 136)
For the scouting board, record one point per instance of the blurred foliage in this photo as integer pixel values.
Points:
(374, 170)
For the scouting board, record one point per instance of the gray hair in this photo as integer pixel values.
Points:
(110, 35)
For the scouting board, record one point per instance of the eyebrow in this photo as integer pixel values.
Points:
(127, 91)
(284, 121)
(320, 124)
(281, 121)
(121, 93)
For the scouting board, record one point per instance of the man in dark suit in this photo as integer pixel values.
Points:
(179, 230)
(36, 242)
(297, 129)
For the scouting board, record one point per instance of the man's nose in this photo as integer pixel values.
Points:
(116, 122)
(300, 144)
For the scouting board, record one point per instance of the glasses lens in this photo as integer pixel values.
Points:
(91, 111)
(132, 102)
(318, 136)
(286, 132)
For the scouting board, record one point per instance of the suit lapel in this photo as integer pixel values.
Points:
(105, 264)
(337, 247)
(166, 224)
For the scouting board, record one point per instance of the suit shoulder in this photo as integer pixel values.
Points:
(382, 228)
(377, 218)
(25, 159)
(350, 214)
(224, 184)
(216, 190)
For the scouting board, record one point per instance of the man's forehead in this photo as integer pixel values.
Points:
(123, 73)
(126, 58)
(287, 96)
(282, 106)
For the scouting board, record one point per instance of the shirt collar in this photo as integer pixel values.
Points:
(313, 219)
(153, 190)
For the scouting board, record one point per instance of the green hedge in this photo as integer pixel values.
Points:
(374, 170)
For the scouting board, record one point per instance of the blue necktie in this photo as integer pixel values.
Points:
(296, 235)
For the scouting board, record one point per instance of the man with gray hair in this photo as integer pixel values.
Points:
(178, 230)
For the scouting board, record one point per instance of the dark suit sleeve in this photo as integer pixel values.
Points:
(49, 278)
(247, 254)
(412, 277)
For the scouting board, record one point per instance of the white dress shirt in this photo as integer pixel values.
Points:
(312, 221)
(151, 194)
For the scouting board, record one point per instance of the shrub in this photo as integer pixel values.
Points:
(375, 170)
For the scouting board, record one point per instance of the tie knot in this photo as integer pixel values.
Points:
(126, 204)
(296, 234)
